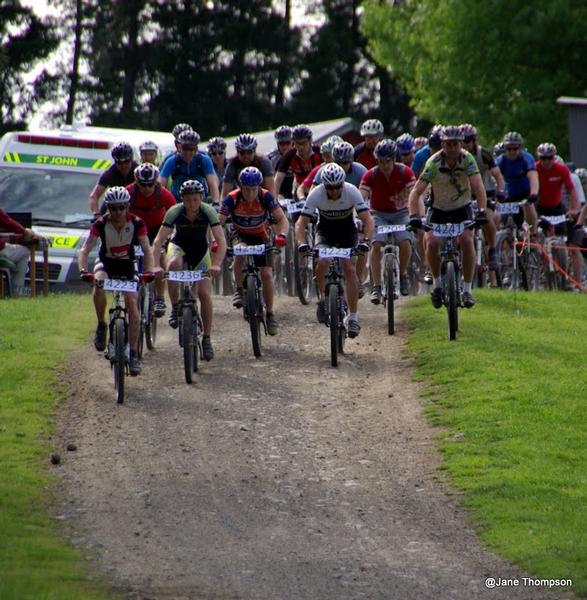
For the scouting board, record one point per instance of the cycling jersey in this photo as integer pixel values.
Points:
(420, 159)
(191, 236)
(118, 245)
(179, 170)
(365, 156)
(388, 194)
(485, 162)
(151, 209)
(235, 166)
(515, 173)
(551, 183)
(451, 188)
(336, 224)
(250, 218)
(286, 187)
(113, 177)
(300, 167)
(353, 175)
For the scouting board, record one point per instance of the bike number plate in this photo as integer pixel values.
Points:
(390, 228)
(293, 208)
(185, 276)
(448, 229)
(508, 208)
(120, 285)
(334, 252)
(241, 250)
(555, 220)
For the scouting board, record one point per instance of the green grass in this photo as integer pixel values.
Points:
(35, 336)
(511, 392)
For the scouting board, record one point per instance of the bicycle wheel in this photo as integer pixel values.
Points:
(187, 335)
(289, 257)
(504, 250)
(196, 338)
(150, 321)
(253, 314)
(119, 358)
(341, 325)
(304, 274)
(333, 322)
(390, 296)
(452, 300)
(143, 302)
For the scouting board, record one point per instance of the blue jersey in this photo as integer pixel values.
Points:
(420, 159)
(515, 173)
(179, 170)
(353, 175)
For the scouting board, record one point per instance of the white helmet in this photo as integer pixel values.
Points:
(333, 174)
(117, 195)
(372, 127)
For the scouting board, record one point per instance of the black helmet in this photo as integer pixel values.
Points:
(301, 132)
(122, 152)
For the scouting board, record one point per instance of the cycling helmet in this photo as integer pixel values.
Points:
(216, 144)
(301, 132)
(283, 134)
(420, 142)
(468, 130)
(581, 174)
(546, 150)
(250, 177)
(245, 141)
(179, 128)
(148, 145)
(372, 127)
(513, 138)
(385, 149)
(326, 147)
(189, 137)
(122, 152)
(405, 143)
(191, 186)
(343, 152)
(146, 173)
(333, 174)
(451, 132)
(434, 137)
(116, 195)
(498, 149)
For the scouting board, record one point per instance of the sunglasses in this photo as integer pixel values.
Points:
(284, 143)
(147, 184)
(216, 153)
(547, 158)
(512, 148)
(246, 152)
(468, 139)
(117, 207)
(126, 160)
(189, 148)
(333, 187)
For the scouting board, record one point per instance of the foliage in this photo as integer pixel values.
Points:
(496, 64)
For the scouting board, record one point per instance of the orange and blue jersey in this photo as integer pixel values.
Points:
(250, 218)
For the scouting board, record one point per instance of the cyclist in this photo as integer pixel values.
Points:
(189, 163)
(149, 152)
(372, 132)
(521, 179)
(121, 173)
(552, 176)
(246, 156)
(342, 153)
(387, 187)
(217, 152)
(301, 159)
(453, 173)
(253, 209)
(419, 142)
(336, 203)
(283, 139)
(189, 223)
(494, 187)
(405, 149)
(326, 153)
(150, 201)
(426, 151)
(118, 232)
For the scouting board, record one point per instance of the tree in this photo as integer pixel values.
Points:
(24, 41)
(495, 64)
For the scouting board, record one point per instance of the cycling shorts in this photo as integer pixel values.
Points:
(194, 263)
(399, 217)
(464, 213)
(122, 268)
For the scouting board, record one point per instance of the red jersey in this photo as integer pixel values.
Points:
(551, 183)
(151, 209)
(7, 223)
(310, 178)
(388, 194)
(301, 167)
(365, 156)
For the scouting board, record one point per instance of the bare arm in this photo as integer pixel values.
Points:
(220, 239)
(162, 236)
(533, 179)
(212, 180)
(368, 224)
(269, 184)
(82, 257)
(146, 247)
(479, 190)
(94, 198)
(499, 180)
(415, 201)
(282, 224)
(301, 225)
(277, 181)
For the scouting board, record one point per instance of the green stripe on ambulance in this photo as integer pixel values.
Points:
(57, 161)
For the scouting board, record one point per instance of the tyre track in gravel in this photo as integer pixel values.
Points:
(278, 478)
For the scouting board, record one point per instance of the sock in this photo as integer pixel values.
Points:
(353, 317)
(436, 282)
(467, 286)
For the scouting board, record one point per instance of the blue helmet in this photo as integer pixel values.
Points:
(250, 177)
(405, 143)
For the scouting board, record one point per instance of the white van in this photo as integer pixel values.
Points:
(51, 173)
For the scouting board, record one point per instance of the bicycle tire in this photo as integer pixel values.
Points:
(341, 326)
(253, 314)
(289, 257)
(119, 358)
(151, 323)
(503, 249)
(187, 342)
(390, 297)
(142, 299)
(196, 338)
(452, 301)
(304, 275)
(333, 323)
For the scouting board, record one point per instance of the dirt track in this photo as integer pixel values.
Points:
(279, 478)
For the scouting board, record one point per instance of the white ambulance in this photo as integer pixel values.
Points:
(51, 173)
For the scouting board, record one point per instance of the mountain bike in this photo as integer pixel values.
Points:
(254, 309)
(147, 326)
(554, 279)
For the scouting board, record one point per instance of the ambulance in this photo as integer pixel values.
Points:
(50, 174)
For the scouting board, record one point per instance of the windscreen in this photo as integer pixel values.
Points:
(53, 197)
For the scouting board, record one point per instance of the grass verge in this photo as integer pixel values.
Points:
(512, 394)
(35, 336)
